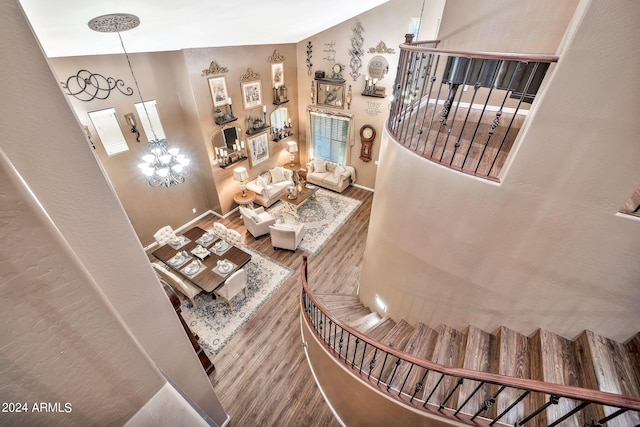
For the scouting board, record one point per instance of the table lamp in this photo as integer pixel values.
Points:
(292, 147)
(240, 174)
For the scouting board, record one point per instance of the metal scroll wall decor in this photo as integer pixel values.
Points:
(309, 54)
(87, 86)
(356, 51)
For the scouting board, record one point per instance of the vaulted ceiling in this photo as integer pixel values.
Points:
(165, 25)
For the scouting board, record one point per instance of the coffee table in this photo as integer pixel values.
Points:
(303, 197)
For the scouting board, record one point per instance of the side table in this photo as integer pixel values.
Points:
(248, 198)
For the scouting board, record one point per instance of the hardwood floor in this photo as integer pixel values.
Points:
(262, 377)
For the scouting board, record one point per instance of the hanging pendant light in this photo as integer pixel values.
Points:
(163, 166)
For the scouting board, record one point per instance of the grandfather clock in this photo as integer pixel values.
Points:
(367, 136)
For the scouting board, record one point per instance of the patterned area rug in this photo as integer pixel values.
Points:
(215, 322)
(322, 217)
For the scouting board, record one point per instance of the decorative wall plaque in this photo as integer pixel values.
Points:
(381, 48)
(309, 54)
(249, 76)
(87, 86)
(276, 57)
(214, 69)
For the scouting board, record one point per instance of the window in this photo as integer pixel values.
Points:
(155, 127)
(329, 137)
(106, 124)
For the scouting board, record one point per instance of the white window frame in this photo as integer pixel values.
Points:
(108, 128)
(155, 127)
(331, 138)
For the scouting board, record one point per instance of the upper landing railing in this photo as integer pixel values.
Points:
(471, 397)
(463, 109)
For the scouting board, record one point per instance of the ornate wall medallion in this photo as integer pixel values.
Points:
(249, 76)
(381, 48)
(276, 57)
(87, 86)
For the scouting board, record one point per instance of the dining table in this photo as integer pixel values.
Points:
(202, 258)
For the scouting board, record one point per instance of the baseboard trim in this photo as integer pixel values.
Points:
(363, 187)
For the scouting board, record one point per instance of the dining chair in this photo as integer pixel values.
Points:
(220, 230)
(234, 237)
(235, 283)
(163, 235)
(170, 278)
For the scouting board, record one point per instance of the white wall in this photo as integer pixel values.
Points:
(46, 145)
(546, 247)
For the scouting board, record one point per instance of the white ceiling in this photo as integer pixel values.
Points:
(165, 25)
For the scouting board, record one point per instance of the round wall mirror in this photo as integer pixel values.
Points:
(378, 67)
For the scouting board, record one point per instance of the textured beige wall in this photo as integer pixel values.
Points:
(546, 247)
(45, 143)
(387, 23)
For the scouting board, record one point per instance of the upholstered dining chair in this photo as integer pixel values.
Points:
(235, 283)
(170, 278)
(257, 220)
(220, 230)
(163, 235)
(286, 236)
(234, 237)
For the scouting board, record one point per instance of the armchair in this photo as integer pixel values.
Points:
(235, 283)
(286, 236)
(257, 220)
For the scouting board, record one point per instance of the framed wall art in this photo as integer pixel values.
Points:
(330, 94)
(219, 93)
(251, 94)
(258, 148)
(277, 74)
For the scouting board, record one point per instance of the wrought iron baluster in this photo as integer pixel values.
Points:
(553, 400)
(433, 116)
(341, 342)
(406, 378)
(384, 362)
(355, 351)
(393, 374)
(420, 83)
(346, 351)
(433, 391)
(330, 333)
(477, 389)
(488, 403)
(612, 416)
(419, 385)
(364, 351)
(513, 405)
(432, 79)
(453, 390)
(578, 408)
(372, 364)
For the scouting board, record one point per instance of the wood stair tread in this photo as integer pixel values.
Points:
(421, 344)
(397, 338)
(449, 351)
(366, 322)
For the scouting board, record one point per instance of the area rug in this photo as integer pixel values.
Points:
(322, 217)
(213, 320)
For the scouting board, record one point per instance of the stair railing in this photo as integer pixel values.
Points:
(437, 389)
(463, 109)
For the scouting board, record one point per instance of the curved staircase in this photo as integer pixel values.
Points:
(589, 361)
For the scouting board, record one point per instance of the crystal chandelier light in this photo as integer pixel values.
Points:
(163, 166)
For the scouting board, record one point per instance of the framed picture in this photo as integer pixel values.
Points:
(258, 148)
(251, 94)
(330, 94)
(219, 93)
(277, 75)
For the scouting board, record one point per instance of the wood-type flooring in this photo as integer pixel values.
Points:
(262, 377)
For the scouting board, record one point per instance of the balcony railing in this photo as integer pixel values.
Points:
(437, 389)
(463, 109)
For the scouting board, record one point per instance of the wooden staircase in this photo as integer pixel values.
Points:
(589, 361)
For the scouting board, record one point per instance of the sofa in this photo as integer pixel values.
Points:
(332, 176)
(270, 185)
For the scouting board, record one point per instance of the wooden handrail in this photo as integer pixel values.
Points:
(571, 392)
(507, 56)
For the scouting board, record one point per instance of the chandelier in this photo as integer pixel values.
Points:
(163, 166)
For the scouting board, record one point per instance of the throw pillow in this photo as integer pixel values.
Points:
(277, 175)
(267, 177)
(262, 182)
(254, 216)
(339, 170)
(319, 166)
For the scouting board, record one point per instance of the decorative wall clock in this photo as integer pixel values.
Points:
(367, 136)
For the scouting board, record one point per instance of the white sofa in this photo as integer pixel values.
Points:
(270, 185)
(329, 175)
